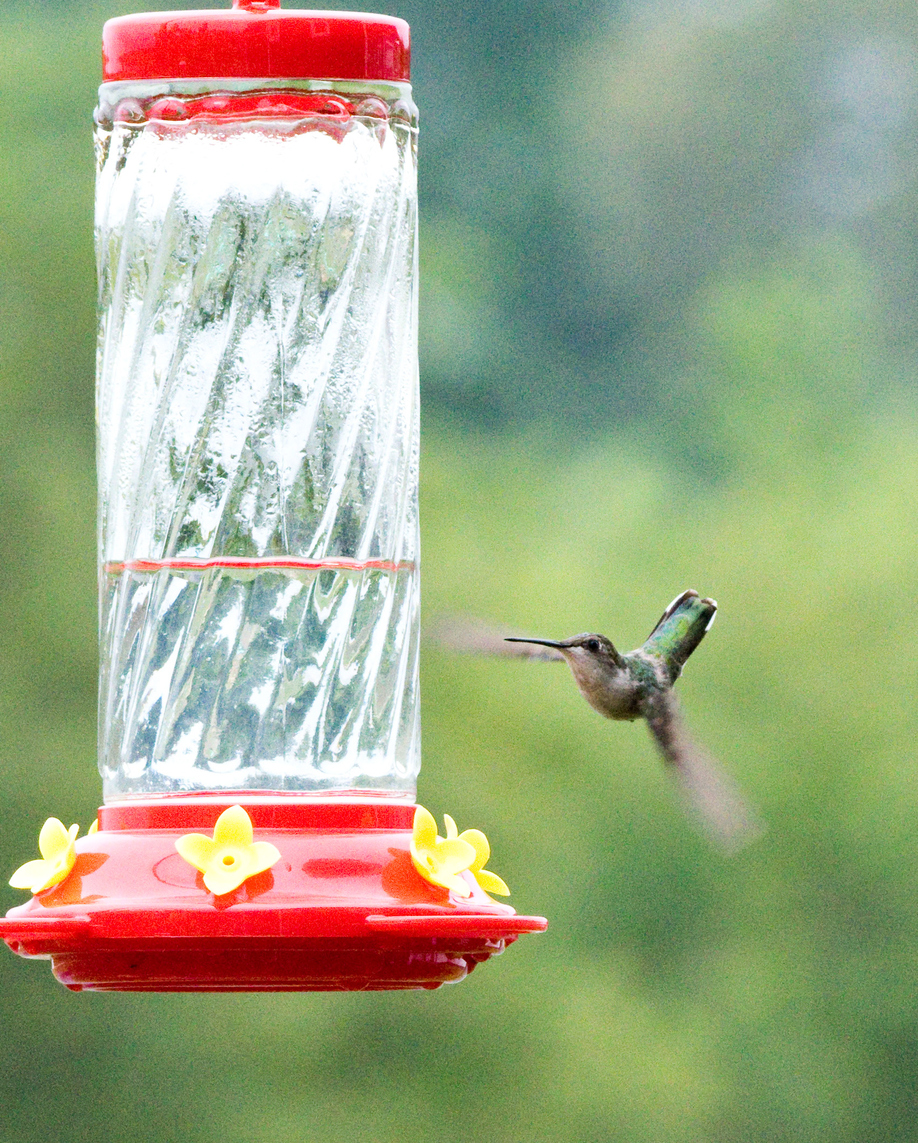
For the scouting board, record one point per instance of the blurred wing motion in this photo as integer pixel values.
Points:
(711, 796)
(475, 636)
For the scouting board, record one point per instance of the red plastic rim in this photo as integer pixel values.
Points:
(256, 42)
(200, 812)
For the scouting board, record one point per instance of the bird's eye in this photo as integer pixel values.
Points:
(592, 645)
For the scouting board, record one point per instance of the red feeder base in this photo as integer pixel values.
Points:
(343, 910)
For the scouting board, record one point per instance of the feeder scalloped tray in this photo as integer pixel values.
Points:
(342, 910)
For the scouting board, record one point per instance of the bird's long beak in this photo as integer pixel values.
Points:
(539, 642)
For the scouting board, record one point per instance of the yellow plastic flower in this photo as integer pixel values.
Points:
(488, 881)
(58, 855)
(230, 856)
(440, 860)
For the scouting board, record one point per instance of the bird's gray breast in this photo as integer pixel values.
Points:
(607, 688)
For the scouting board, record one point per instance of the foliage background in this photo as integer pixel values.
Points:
(668, 340)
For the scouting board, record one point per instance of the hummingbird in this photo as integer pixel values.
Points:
(625, 687)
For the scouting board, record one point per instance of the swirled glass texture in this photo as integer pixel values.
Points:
(257, 438)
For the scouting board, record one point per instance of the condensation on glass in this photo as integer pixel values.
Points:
(257, 438)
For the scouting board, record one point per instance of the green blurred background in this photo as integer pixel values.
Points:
(668, 339)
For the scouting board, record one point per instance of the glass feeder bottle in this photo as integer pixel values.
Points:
(257, 436)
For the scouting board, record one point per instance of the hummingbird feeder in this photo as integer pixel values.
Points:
(259, 740)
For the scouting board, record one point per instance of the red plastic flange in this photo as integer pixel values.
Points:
(343, 909)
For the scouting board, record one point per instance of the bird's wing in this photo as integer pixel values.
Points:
(711, 796)
(478, 637)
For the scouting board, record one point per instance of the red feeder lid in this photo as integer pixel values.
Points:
(256, 40)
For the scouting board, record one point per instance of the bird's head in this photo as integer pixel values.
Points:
(593, 659)
(598, 669)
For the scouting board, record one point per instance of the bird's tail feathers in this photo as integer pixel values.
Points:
(680, 629)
